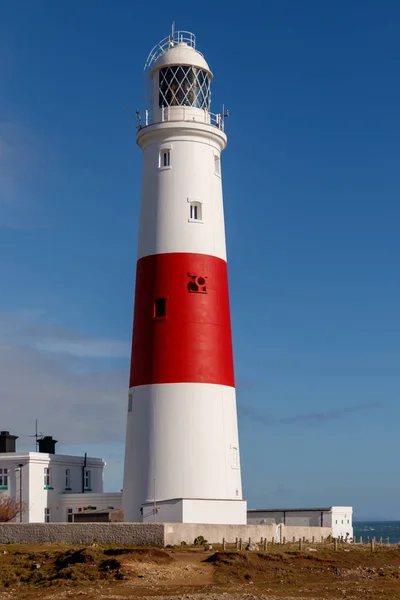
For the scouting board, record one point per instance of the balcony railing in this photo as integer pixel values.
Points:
(185, 114)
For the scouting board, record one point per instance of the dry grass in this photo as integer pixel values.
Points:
(57, 571)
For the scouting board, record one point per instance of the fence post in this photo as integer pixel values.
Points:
(237, 544)
(381, 540)
(223, 545)
(249, 540)
(322, 539)
(313, 539)
(373, 545)
(387, 540)
(294, 540)
(300, 544)
(361, 539)
(284, 540)
(265, 544)
(304, 538)
(335, 544)
(273, 541)
(240, 544)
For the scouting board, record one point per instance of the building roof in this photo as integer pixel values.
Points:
(44, 457)
(323, 509)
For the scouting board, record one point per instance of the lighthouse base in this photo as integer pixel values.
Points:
(188, 510)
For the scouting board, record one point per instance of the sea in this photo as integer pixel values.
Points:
(377, 529)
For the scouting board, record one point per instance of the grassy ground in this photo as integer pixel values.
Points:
(99, 571)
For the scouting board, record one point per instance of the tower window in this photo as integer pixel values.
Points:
(195, 212)
(160, 308)
(87, 479)
(165, 158)
(3, 477)
(217, 165)
(67, 478)
(47, 477)
(130, 402)
(47, 515)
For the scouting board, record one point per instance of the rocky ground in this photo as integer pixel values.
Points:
(56, 571)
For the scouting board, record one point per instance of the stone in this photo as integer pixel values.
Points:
(252, 547)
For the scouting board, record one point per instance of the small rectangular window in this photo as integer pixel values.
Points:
(165, 159)
(130, 402)
(47, 515)
(217, 165)
(47, 478)
(88, 479)
(4, 477)
(67, 478)
(195, 213)
(348, 521)
(70, 515)
(160, 308)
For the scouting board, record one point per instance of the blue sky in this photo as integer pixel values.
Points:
(311, 186)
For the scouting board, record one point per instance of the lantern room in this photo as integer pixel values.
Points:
(179, 81)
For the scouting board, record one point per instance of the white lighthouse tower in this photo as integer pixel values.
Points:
(182, 448)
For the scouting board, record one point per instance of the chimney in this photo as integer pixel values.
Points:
(7, 441)
(47, 445)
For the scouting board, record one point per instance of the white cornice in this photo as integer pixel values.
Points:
(41, 457)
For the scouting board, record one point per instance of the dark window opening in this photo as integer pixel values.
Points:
(165, 158)
(160, 308)
(195, 211)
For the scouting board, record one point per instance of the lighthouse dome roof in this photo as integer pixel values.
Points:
(181, 54)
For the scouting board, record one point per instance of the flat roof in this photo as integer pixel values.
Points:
(289, 509)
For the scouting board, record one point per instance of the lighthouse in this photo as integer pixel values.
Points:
(182, 461)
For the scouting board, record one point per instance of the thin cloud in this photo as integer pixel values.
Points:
(333, 415)
(21, 156)
(246, 385)
(77, 395)
(31, 328)
(86, 348)
(308, 419)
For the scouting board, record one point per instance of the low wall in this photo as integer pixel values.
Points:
(291, 531)
(141, 534)
(150, 534)
(175, 533)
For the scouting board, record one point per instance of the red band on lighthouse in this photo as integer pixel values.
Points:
(182, 330)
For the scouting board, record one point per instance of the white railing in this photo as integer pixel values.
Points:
(186, 114)
(174, 38)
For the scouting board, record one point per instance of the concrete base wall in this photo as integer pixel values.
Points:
(175, 533)
(188, 510)
(150, 534)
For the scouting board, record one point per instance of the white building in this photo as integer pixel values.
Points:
(52, 487)
(339, 518)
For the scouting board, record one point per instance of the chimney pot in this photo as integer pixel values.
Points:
(7, 442)
(47, 445)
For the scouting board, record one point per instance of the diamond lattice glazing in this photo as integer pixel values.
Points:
(184, 86)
